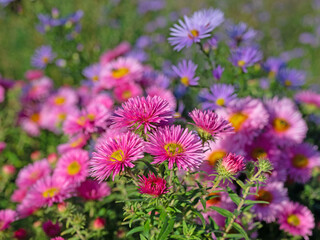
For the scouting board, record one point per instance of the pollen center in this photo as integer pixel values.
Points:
(193, 33)
(293, 220)
(220, 102)
(76, 142)
(126, 94)
(73, 168)
(241, 63)
(280, 125)
(185, 81)
(81, 120)
(237, 120)
(117, 156)
(264, 195)
(215, 156)
(91, 117)
(95, 78)
(120, 72)
(300, 161)
(35, 117)
(258, 153)
(287, 83)
(59, 101)
(173, 149)
(50, 192)
(45, 59)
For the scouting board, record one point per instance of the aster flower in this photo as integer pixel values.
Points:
(285, 123)
(127, 90)
(291, 78)
(309, 98)
(217, 72)
(48, 190)
(152, 185)
(64, 98)
(176, 145)
(72, 166)
(248, 118)
(273, 65)
(186, 71)
(244, 57)
(230, 165)
(34, 74)
(145, 113)
(275, 194)
(77, 141)
(26, 208)
(19, 194)
(7, 216)
(116, 154)
(51, 229)
(42, 57)
(119, 71)
(209, 124)
(164, 94)
(220, 95)
(240, 33)
(93, 190)
(112, 54)
(296, 220)
(37, 90)
(209, 18)
(302, 158)
(31, 173)
(92, 72)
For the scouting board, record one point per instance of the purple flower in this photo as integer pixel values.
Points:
(244, 57)
(217, 72)
(240, 33)
(42, 57)
(273, 65)
(186, 71)
(219, 96)
(291, 78)
(92, 72)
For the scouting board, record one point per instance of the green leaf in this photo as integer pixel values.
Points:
(234, 236)
(166, 230)
(240, 230)
(203, 221)
(250, 202)
(143, 237)
(234, 197)
(135, 230)
(222, 211)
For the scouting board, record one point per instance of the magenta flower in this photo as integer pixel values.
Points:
(116, 154)
(51, 229)
(296, 219)
(93, 190)
(233, 163)
(152, 185)
(163, 93)
(7, 216)
(209, 123)
(146, 113)
(176, 145)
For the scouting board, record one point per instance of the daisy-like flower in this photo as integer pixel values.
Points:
(31, 173)
(240, 33)
(247, 116)
(19, 194)
(291, 78)
(275, 194)
(302, 158)
(92, 72)
(164, 94)
(7, 216)
(176, 145)
(244, 57)
(285, 123)
(209, 124)
(65, 97)
(231, 164)
(112, 54)
(273, 65)
(119, 71)
(210, 18)
(309, 98)
(152, 185)
(186, 71)
(42, 57)
(220, 95)
(78, 141)
(116, 154)
(37, 90)
(127, 90)
(72, 166)
(296, 220)
(93, 190)
(145, 113)
(49, 190)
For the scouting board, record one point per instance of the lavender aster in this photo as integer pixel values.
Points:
(186, 71)
(244, 57)
(42, 57)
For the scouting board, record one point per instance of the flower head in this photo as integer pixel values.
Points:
(240, 33)
(186, 71)
(176, 145)
(7, 216)
(152, 185)
(51, 229)
(231, 164)
(308, 98)
(145, 113)
(273, 66)
(93, 190)
(291, 78)
(296, 219)
(244, 57)
(116, 154)
(42, 57)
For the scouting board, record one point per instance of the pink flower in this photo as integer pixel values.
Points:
(99, 223)
(93, 190)
(119, 50)
(127, 90)
(152, 185)
(51, 229)
(2, 94)
(116, 154)
(33, 74)
(145, 113)
(233, 163)
(176, 145)
(19, 194)
(308, 97)
(7, 216)
(77, 141)
(296, 219)
(164, 94)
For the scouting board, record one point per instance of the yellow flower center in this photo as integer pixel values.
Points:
(120, 72)
(50, 192)
(300, 161)
(76, 143)
(272, 74)
(126, 94)
(213, 201)
(237, 120)
(62, 116)
(287, 83)
(59, 101)
(91, 117)
(81, 120)
(173, 148)
(117, 156)
(45, 59)
(259, 153)
(185, 81)
(34, 175)
(220, 102)
(193, 33)
(241, 63)
(293, 220)
(73, 168)
(95, 78)
(35, 117)
(215, 156)
(264, 195)
(280, 125)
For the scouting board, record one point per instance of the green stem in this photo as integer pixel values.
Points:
(217, 181)
(79, 234)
